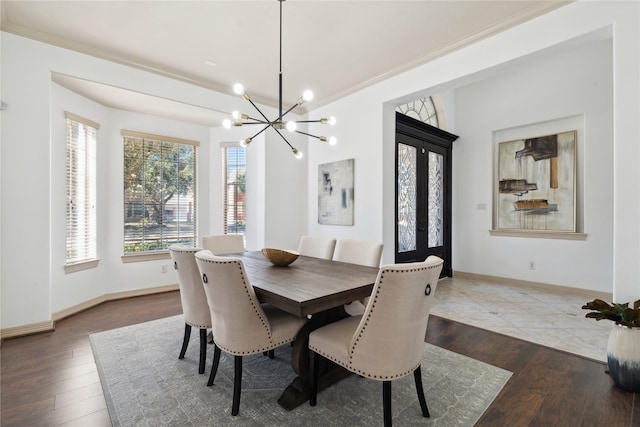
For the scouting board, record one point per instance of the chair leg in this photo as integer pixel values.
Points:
(237, 384)
(386, 402)
(272, 354)
(313, 378)
(203, 350)
(185, 341)
(423, 402)
(214, 366)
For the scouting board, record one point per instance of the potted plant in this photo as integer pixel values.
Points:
(623, 347)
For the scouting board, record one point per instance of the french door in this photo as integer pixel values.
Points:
(423, 192)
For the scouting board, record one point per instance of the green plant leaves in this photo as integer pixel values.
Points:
(620, 313)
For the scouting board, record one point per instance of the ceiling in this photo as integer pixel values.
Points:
(332, 47)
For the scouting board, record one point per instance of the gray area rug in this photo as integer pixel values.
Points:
(145, 384)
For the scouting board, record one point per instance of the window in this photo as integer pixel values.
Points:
(159, 192)
(425, 110)
(234, 168)
(81, 190)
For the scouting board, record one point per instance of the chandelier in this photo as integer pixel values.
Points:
(279, 123)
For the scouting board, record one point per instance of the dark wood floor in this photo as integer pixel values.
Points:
(50, 379)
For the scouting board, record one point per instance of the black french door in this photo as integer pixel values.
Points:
(423, 192)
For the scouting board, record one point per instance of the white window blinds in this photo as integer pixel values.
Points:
(234, 181)
(160, 197)
(81, 189)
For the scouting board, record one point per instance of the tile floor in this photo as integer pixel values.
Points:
(549, 317)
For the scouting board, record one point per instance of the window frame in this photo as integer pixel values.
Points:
(237, 216)
(81, 185)
(163, 253)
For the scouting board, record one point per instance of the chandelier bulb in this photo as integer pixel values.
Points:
(307, 95)
(226, 123)
(235, 114)
(238, 89)
(332, 121)
(333, 140)
(245, 142)
(291, 126)
(297, 153)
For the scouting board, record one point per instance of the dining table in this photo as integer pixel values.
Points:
(314, 288)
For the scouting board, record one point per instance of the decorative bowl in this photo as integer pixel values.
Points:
(279, 257)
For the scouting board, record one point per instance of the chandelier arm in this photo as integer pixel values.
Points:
(257, 109)
(262, 130)
(284, 139)
(287, 112)
(308, 134)
(308, 121)
(280, 68)
(255, 121)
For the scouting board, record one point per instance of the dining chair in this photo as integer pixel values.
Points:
(317, 246)
(241, 325)
(362, 252)
(193, 299)
(220, 244)
(387, 341)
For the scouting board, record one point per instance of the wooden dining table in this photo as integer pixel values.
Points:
(314, 288)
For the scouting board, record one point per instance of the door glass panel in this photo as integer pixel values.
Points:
(436, 200)
(407, 162)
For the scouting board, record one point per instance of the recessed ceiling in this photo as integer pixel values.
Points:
(331, 47)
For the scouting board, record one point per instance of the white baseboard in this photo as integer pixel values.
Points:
(539, 285)
(49, 325)
(29, 329)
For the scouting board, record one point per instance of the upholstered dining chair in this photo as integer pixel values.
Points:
(194, 301)
(363, 252)
(220, 244)
(387, 341)
(317, 246)
(241, 325)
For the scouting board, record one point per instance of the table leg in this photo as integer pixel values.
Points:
(329, 373)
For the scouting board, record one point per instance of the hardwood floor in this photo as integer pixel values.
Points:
(50, 379)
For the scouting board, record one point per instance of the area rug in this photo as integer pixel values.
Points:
(145, 384)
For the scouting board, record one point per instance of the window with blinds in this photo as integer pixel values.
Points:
(81, 189)
(234, 169)
(160, 197)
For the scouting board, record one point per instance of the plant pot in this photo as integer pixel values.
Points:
(623, 357)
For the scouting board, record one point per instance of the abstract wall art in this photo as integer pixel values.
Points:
(335, 193)
(536, 186)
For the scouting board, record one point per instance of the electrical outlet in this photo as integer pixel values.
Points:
(532, 265)
(163, 268)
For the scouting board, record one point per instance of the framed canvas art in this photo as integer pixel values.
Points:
(335, 193)
(536, 186)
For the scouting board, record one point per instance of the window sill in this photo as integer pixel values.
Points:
(146, 256)
(562, 235)
(80, 266)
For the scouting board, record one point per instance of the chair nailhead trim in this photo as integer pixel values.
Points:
(365, 324)
(361, 372)
(197, 326)
(264, 321)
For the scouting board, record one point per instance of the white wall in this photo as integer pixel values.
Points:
(33, 283)
(111, 275)
(367, 133)
(356, 118)
(567, 90)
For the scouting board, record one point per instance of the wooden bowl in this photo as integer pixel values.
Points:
(279, 257)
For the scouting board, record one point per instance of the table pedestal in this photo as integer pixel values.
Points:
(328, 372)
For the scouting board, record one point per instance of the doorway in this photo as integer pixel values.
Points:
(423, 192)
